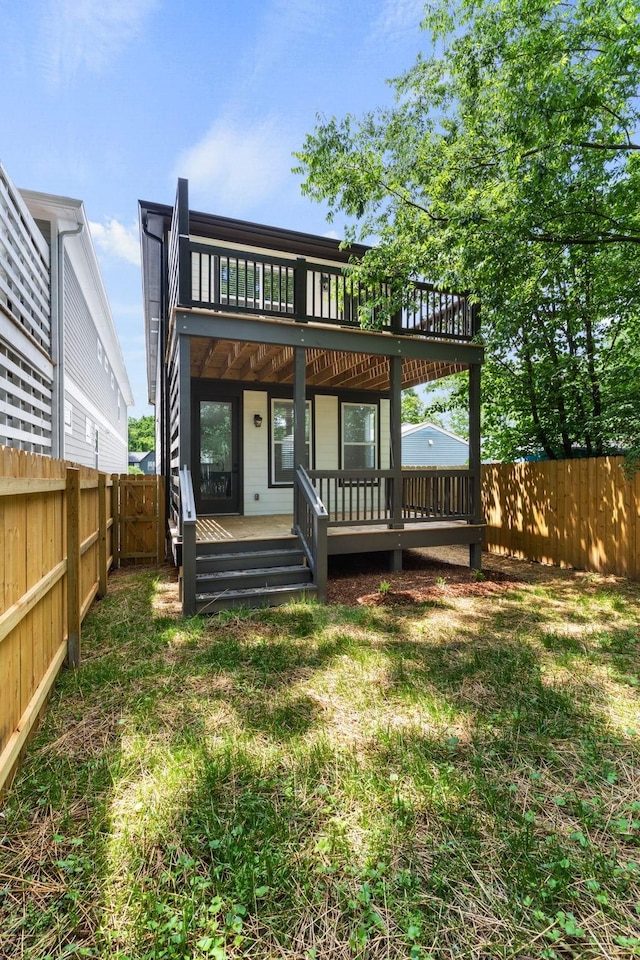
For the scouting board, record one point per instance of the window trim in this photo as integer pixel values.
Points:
(375, 405)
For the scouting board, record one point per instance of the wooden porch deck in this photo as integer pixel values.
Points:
(352, 539)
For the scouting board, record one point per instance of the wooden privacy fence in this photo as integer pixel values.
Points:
(63, 528)
(571, 513)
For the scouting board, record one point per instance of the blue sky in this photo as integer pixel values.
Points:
(110, 101)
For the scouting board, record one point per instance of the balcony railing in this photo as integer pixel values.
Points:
(223, 279)
(213, 277)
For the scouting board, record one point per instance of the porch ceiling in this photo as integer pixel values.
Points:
(267, 363)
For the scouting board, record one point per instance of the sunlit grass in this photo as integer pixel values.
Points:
(454, 781)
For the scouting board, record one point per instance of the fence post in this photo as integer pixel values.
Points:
(115, 526)
(103, 558)
(73, 567)
(160, 519)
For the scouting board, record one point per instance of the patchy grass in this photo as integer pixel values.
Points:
(451, 781)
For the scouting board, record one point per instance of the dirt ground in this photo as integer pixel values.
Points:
(428, 574)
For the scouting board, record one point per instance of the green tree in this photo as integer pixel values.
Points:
(508, 166)
(142, 435)
(413, 409)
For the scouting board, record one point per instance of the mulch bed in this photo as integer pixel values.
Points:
(356, 579)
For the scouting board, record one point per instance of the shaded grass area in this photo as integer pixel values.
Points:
(460, 780)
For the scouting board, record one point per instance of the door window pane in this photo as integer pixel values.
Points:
(215, 449)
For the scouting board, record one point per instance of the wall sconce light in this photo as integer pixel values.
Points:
(257, 420)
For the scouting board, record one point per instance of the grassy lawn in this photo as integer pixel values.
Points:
(455, 780)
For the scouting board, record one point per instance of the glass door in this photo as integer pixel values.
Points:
(216, 475)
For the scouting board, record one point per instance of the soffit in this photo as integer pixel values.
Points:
(239, 362)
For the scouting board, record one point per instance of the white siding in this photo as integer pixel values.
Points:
(272, 500)
(326, 433)
(26, 370)
(89, 385)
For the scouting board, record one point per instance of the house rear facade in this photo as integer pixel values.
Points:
(64, 389)
(272, 401)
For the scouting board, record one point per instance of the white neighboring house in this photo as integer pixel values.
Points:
(64, 389)
(425, 445)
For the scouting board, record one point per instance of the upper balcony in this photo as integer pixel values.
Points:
(206, 274)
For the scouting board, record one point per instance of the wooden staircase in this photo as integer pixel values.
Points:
(251, 573)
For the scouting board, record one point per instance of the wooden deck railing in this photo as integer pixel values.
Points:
(366, 496)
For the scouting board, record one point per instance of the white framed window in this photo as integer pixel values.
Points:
(359, 436)
(282, 440)
(106, 362)
(68, 417)
(89, 434)
(118, 405)
(99, 352)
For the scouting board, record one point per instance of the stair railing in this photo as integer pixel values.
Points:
(311, 527)
(188, 519)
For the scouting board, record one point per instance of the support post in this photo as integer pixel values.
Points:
(184, 399)
(395, 376)
(299, 416)
(73, 567)
(475, 550)
(103, 553)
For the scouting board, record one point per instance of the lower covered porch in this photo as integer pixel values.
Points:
(259, 560)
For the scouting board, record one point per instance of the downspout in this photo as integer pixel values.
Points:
(57, 344)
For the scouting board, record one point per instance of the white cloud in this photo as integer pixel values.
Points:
(237, 166)
(87, 35)
(114, 239)
(397, 18)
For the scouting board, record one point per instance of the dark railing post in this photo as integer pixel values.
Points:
(395, 372)
(475, 319)
(320, 538)
(188, 520)
(299, 417)
(475, 550)
(184, 252)
(300, 290)
(189, 567)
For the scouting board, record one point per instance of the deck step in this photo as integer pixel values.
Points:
(215, 548)
(251, 578)
(263, 597)
(245, 559)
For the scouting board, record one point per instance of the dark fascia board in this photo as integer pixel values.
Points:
(229, 230)
(198, 323)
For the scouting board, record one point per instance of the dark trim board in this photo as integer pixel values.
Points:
(455, 534)
(286, 333)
